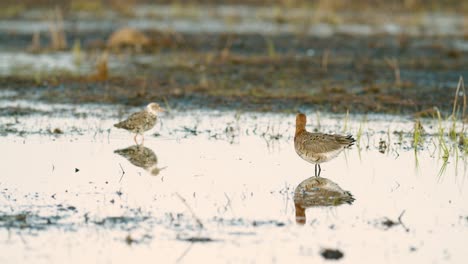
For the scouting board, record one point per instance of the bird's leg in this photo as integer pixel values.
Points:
(317, 165)
(136, 139)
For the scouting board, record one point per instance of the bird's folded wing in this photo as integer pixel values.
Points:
(320, 143)
(133, 120)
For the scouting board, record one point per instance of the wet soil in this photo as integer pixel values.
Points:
(118, 5)
(350, 61)
(240, 71)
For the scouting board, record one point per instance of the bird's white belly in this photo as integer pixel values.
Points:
(331, 155)
(318, 157)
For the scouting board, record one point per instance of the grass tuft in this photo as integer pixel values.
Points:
(417, 134)
(345, 126)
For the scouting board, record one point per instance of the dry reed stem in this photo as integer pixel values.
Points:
(35, 42)
(58, 40)
(226, 51)
(393, 64)
(325, 56)
(464, 97)
(102, 70)
(455, 100)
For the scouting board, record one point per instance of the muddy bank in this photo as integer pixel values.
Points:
(349, 69)
(184, 97)
(240, 71)
(372, 74)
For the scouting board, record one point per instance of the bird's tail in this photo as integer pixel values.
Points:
(350, 141)
(118, 125)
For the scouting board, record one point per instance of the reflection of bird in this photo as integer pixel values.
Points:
(141, 121)
(142, 157)
(318, 147)
(318, 191)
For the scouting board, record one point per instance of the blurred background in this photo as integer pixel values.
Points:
(363, 56)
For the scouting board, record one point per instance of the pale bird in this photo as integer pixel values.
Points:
(317, 148)
(142, 121)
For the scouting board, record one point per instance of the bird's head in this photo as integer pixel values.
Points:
(301, 120)
(154, 108)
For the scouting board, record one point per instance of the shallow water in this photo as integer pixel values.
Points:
(223, 190)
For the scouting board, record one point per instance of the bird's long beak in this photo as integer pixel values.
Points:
(161, 109)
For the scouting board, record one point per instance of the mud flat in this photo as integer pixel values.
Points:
(204, 58)
(223, 189)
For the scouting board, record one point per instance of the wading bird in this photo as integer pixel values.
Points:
(141, 121)
(317, 148)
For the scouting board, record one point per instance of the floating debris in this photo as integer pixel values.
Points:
(131, 239)
(334, 254)
(388, 223)
(197, 239)
(382, 146)
(57, 131)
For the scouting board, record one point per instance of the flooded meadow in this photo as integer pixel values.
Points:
(225, 186)
(218, 179)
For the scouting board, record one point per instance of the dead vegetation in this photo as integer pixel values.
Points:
(269, 73)
(128, 37)
(12, 8)
(102, 71)
(57, 36)
(58, 40)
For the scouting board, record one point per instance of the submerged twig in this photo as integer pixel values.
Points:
(187, 250)
(228, 204)
(123, 172)
(199, 222)
(401, 223)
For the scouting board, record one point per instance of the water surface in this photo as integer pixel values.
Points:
(223, 189)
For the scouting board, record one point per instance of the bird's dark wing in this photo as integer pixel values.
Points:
(132, 121)
(322, 143)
